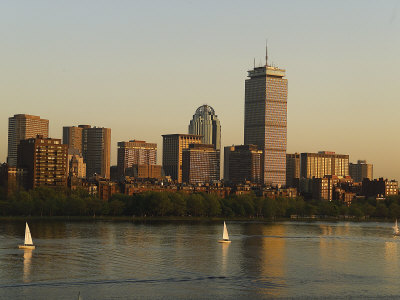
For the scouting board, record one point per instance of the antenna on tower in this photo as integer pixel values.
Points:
(266, 52)
(254, 62)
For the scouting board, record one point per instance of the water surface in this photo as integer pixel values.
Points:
(121, 260)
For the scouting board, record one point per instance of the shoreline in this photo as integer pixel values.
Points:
(174, 219)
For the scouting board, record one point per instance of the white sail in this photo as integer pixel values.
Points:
(28, 237)
(225, 235)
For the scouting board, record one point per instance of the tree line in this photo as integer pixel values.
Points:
(44, 201)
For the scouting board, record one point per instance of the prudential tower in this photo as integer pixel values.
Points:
(205, 122)
(265, 119)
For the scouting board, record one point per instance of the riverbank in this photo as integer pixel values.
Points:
(189, 219)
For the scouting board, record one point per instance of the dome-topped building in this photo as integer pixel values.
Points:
(205, 122)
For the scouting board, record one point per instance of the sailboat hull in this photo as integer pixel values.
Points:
(31, 247)
(224, 241)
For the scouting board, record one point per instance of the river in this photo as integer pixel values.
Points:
(126, 260)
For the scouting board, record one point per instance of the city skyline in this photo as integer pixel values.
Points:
(53, 83)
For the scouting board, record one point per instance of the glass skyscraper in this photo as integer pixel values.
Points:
(265, 120)
(205, 122)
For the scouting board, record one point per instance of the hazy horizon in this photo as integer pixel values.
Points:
(143, 68)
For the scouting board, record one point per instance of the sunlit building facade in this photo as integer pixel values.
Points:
(205, 123)
(173, 146)
(265, 120)
(200, 164)
(135, 153)
(22, 127)
(324, 163)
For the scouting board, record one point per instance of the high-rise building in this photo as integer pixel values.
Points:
(173, 145)
(205, 122)
(45, 159)
(324, 163)
(265, 119)
(72, 136)
(200, 164)
(361, 170)
(242, 163)
(22, 127)
(292, 169)
(94, 143)
(135, 153)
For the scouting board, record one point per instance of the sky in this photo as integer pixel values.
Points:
(142, 68)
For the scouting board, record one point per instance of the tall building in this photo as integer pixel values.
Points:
(292, 169)
(135, 153)
(173, 145)
(22, 127)
(45, 159)
(361, 170)
(200, 164)
(94, 143)
(265, 119)
(242, 163)
(72, 136)
(324, 163)
(205, 122)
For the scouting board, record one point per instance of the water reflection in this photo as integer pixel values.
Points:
(267, 247)
(224, 249)
(391, 257)
(27, 264)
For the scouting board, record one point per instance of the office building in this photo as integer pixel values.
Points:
(94, 143)
(323, 163)
(173, 146)
(22, 127)
(72, 136)
(242, 163)
(45, 160)
(361, 170)
(205, 123)
(200, 164)
(265, 120)
(292, 169)
(135, 153)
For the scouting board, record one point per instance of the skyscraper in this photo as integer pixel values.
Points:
(242, 163)
(323, 163)
(361, 170)
(96, 144)
(135, 153)
(205, 122)
(292, 169)
(173, 145)
(45, 160)
(200, 164)
(72, 136)
(265, 119)
(22, 127)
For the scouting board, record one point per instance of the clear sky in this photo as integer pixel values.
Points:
(142, 68)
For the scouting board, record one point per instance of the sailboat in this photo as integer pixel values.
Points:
(225, 236)
(396, 231)
(28, 244)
